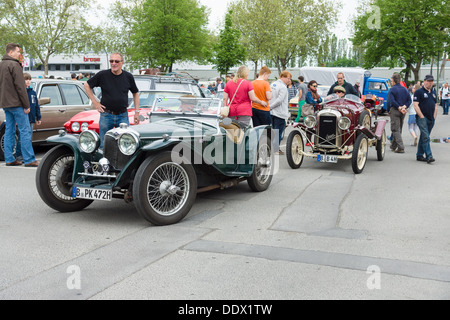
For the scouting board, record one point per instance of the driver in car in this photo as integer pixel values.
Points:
(340, 91)
(187, 103)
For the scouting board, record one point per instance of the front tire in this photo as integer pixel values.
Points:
(164, 191)
(263, 170)
(53, 178)
(359, 157)
(294, 149)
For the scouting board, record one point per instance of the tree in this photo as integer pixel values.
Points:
(167, 31)
(228, 52)
(405, 31)
(282, 30)
(46, 27)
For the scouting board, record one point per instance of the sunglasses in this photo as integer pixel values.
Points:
(115, 61)
(314, 86)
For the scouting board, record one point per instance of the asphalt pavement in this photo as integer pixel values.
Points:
(318, 232)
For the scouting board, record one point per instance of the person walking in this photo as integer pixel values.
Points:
(279, 107)
(412, 124)
(115, 84)
(400, 99)
(302, 90)
(444, 95)
(426, 106)
(15, 103)
(238, 95)
(349, 89)
(261, 86)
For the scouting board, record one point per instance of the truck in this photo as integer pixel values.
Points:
(368, 85)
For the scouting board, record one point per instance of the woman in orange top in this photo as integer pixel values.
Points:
(261, 86)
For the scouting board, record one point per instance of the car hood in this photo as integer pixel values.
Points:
(179, 127)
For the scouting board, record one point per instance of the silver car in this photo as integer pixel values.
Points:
(59, 100)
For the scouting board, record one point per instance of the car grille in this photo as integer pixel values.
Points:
(327, 137)
(111, 152)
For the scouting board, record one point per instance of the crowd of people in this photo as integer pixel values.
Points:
(268, 104)
(258, 102)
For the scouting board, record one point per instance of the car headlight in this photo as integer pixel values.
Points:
(128, 143)
(75, 127)
(344, 123)
(84, 126)
(310, 121)
(89, 141)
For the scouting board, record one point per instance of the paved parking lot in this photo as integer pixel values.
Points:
(319, 232)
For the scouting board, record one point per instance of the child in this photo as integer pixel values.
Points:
(412, 125)
(35, 111)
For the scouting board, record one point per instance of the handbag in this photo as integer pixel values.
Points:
(225, 111)
(307, 110)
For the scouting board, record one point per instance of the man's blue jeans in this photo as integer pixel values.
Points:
(278, 124)
(445, 105)
(424, 147)
(109, 121)
(17, 116)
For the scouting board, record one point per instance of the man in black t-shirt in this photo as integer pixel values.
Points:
(115, 84)
(425, 104)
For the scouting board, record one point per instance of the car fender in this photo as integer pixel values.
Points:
(366, 131)
(71, 141)
(380, 125)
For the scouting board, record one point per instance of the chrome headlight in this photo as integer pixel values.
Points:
(75, 126)
(89, 141)
(128, 143)
(310, 121)
(344, 123)
(84, 126)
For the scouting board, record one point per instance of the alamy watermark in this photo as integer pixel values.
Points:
(74, 279)
(374, 280)
(374, 20)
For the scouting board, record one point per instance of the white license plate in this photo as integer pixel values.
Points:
(327, 158)
(92, 194)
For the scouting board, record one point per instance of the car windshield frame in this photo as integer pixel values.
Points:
(203, 109)
(335, 97)
(157, 93)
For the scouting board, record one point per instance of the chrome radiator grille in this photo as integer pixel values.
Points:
(327, 131)
(111, 152)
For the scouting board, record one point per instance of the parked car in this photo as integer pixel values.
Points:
(89, 120)
(160, 166)
(60, 100)
(150, 86)
(343, 129)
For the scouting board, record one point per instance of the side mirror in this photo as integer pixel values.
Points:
(43, 101)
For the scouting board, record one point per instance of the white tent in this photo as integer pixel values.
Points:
(327, 76)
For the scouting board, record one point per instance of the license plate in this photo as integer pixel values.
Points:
(92, 194)
(327, 158)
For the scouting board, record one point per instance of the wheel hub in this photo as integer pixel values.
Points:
(168, 189)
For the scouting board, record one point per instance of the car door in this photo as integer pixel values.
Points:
(66, 100)
(75, 100)
(378, 88)
(51, 113)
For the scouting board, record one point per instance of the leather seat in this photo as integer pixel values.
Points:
(234, 132)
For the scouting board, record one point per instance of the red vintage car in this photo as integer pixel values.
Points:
(341, 129)
(89, 120)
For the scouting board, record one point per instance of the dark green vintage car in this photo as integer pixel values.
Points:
(187, 148)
